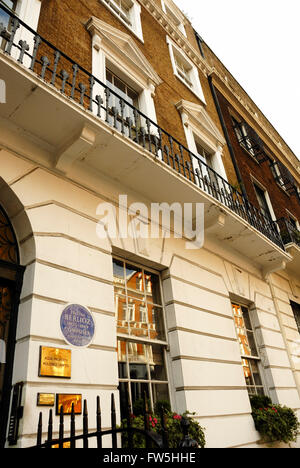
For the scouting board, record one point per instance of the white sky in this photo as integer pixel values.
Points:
(259, 43)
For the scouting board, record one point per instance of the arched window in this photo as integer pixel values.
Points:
(8, 243)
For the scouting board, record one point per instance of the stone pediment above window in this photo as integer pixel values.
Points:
(122, 48)
(197, 117)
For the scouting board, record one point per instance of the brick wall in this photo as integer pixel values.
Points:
(63, 24)
(281, 201)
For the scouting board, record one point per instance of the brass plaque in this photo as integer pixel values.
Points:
(55, 362)
(66, 400)
(45, 399)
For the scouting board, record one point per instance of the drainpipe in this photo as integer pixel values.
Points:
(230, 147)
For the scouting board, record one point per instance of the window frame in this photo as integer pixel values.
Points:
(132, 340)
(134, 24)
(117, 51)
(255, 183)
(174, 15)
(295, 313)
(251, 358)
(194, 78)
(199, 127)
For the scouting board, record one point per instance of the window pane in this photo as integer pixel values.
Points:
(251, 344)
(138, 371)
(152, 288)
(255, 373)
(124, 398)
(160, 393)
(118, 272)
(247, 372)
(157, 365)
(156, 325)
(122, 314)
(138, 390)
(109, 77)
(122, 360)
(246, 318)
(138, 325)
(134, 279)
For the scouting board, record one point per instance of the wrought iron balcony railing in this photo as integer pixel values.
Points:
(70, 79)
(289, 232)
(250, 141)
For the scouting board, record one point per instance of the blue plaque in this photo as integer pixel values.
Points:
(77, 325)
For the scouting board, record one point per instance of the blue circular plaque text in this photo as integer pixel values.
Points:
(77, 325)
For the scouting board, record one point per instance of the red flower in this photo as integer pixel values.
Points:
(176, 416)
(153, 425)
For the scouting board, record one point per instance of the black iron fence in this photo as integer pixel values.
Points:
(58, 70)
(119, 435)
(289, 232)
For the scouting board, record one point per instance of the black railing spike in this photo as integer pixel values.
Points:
(40, 430)
(75, 72)
(143, 134)
(64, 75)
(24, 46)
(99, 101)
(115, 115)
(55, 65)
(129, 123)
(37, 41)
(99, 423)
(163, 427)
(45, 62)
(61, 426)
(122, 107)
(107, 94)
(82, 89)
(50, 429)
(15, 24)
(167, 151)
(155, 140)
(182, 159)
(85, 425)
(113, 421)
(72, 427)
(148, 125)
(92, 83)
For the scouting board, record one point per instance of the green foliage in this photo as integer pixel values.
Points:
(162, 405)
(172, 425)
(274, 422)
(260, 401)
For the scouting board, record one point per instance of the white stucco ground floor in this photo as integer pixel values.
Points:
(168, 320)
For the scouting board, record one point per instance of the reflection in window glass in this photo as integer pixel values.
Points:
(142, 367)
(249, 353)
(137, 293)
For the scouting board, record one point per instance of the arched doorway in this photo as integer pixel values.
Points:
(11, 277)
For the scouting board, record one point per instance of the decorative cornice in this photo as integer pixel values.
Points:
(123, 45)
(172, 30)
(199, 116)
